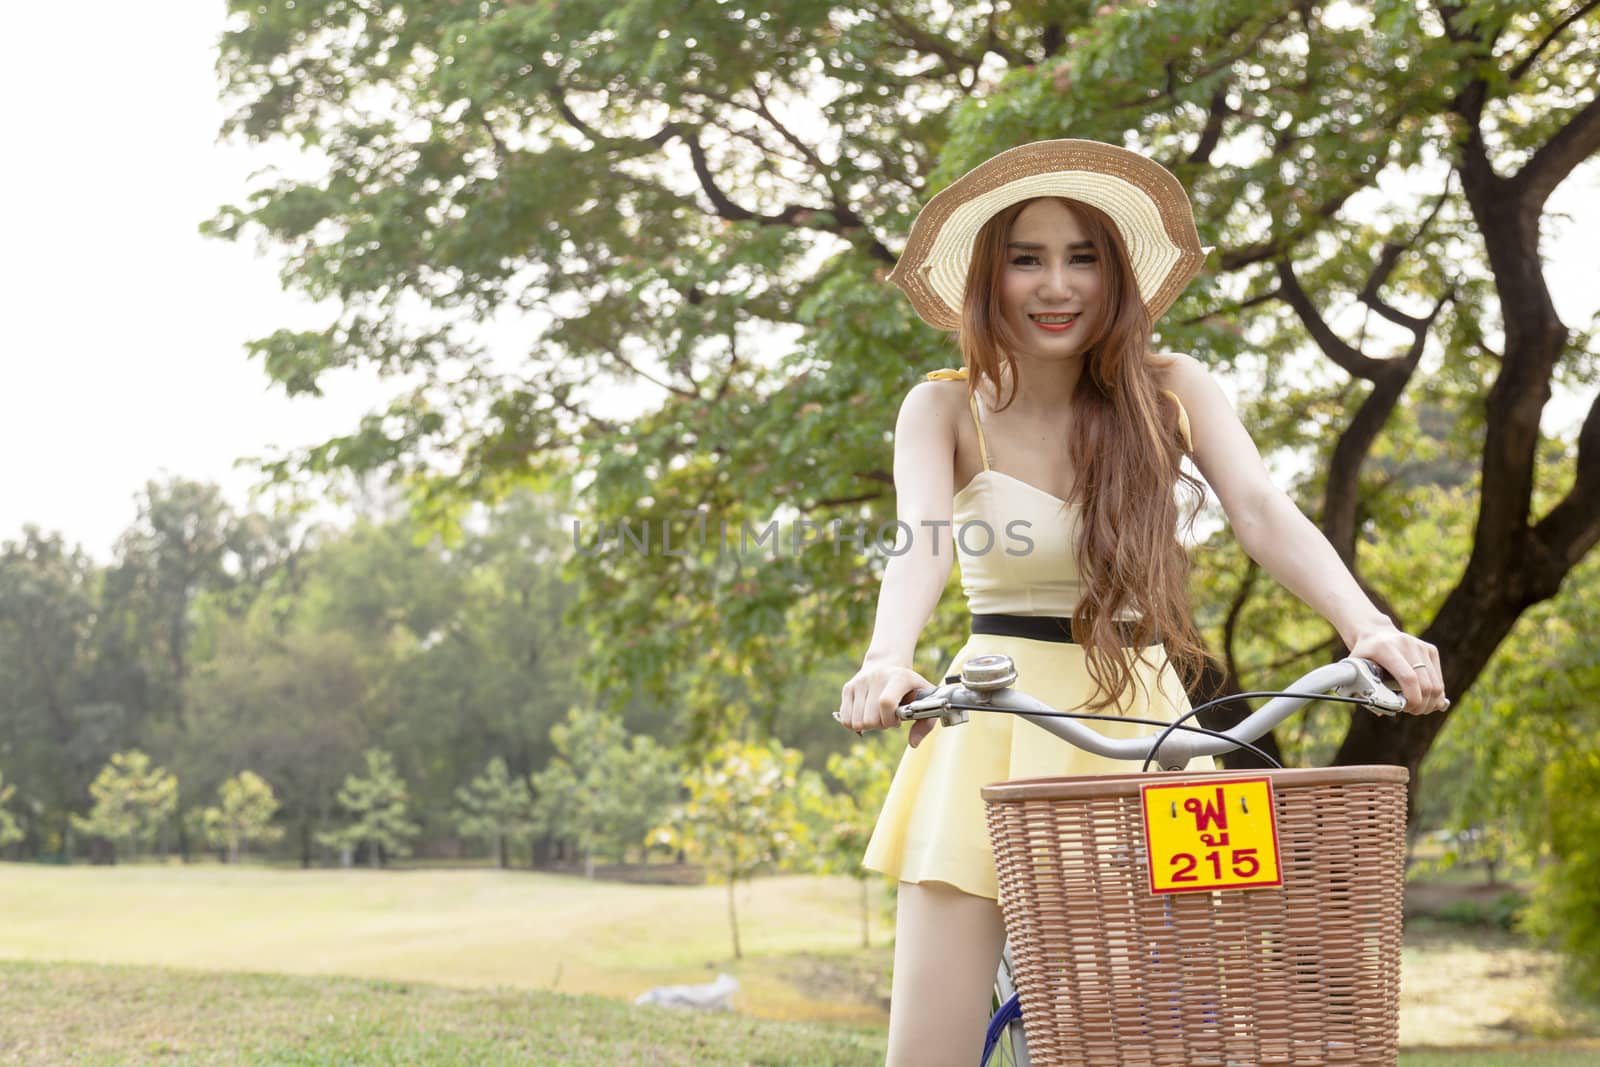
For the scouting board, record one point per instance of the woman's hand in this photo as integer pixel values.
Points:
(868, 700)
(1410, 661)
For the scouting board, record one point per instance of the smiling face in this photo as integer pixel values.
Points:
(1051, 284)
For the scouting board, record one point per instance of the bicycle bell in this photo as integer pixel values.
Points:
(988, 673)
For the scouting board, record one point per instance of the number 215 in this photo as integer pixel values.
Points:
(1242, 864)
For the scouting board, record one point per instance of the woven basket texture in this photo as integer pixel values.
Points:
(1113, 975)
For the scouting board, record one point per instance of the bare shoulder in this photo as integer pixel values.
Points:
(927, 424)
(938, 399)
(1178, 371)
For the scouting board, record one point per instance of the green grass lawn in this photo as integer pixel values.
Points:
(88, 1015)
(475, 966)
(92, 1015)
(479, 928)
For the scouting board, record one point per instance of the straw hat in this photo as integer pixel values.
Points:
(1148, 205)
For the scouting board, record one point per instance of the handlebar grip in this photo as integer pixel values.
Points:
(1387, 679)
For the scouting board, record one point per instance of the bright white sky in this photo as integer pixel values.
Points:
(122, 347)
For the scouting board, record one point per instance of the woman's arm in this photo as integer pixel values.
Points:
(1288, 546)
(924, 481)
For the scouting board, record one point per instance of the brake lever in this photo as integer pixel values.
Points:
(935, 704)
(1372, 690)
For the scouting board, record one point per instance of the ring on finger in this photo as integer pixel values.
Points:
(1422, 665)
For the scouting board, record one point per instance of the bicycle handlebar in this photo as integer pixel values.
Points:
(986, 686)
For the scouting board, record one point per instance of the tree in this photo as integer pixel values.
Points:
(54, 733)
(175, 551)
(1525, 767)
(132, 799)
(243, 817)
(648, 781)
(603, 790)
(844, 818)
(559, 814)
(290, 707)
(496, 807)
(655, 173)
(10, 832)
(742, 816)
(377, 804)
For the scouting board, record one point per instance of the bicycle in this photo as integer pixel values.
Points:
(1125, 948)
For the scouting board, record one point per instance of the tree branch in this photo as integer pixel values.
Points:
(1051, 38)
(1342, 494)
(1211, 135)
(918, 39)
(1558, 157)
(1572, 527)
(1230, 310)
(1516, 73)
(846, 222)
(1223, 60)
(675, 390)
(1230, 622)
(1354, 361)
(1278, 243)
(1388, 260)
(840, 501)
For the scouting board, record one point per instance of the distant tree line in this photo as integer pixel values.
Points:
(230, 684)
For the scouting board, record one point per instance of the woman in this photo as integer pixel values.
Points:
(1064, 434)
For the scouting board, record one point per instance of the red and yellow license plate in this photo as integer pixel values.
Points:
(1204, 836)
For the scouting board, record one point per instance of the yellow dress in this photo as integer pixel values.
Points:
(932, 824)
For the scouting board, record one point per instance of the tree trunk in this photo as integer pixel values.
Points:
(503, 850)
(183, 842)
(864, 913)
(1216, 681)
(1470, 625)
(733, 920)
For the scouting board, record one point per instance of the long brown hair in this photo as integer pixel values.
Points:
(1126, 449)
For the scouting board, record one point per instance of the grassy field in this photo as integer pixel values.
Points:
(95, 1016)
(479, 965)
(102, 1016)
(481, 929)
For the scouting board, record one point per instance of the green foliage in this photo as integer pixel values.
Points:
(1566, 900)
(288, 1019)
(10, 832)
(243, 817)
(377, 805)
(652, 175)
(741, 817)
(744, 815)
(57, 727)
(496, 807)
(132, 799)
(1523, 772)
(840, 822)
(604, 791)
(1504, 912)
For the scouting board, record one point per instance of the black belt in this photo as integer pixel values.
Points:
(1042, 628)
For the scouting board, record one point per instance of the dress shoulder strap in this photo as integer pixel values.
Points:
(959, 374)
(977, 421)
(1183, 422)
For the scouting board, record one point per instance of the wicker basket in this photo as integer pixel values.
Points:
(1111, 973)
